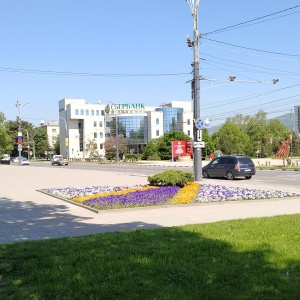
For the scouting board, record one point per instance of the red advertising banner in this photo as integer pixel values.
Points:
(182, 148)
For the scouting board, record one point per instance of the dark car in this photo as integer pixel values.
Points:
(230, 166)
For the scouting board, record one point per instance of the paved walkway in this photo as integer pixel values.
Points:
(26, 214)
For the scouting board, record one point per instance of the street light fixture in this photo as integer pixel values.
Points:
(197, 152)
(19, 106)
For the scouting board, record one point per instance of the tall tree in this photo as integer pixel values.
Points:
(230, 139)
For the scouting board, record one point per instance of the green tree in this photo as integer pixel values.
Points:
(230, 139)
(91, 148)
(162, 146)
(41, 142)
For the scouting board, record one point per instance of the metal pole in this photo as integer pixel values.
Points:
(117, 140)
(19, 105)
(197, 152)
(27, 142)
(66, 138)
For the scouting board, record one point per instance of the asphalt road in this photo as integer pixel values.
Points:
(268, 179)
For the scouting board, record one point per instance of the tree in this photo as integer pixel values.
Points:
(162, 146)
(91, 148)
(230, 139)
(41, 142)
(110, 147)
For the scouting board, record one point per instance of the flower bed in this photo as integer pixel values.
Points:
(105, 197)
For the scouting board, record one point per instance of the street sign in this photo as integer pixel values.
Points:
(19, 147)
(199, 123)
(199, 135)
(199, 144)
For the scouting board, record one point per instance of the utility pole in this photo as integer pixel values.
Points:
(19, 106)
(197, 152)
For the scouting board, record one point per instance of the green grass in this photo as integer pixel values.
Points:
(245, 259)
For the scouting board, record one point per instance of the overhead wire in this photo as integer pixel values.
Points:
(249, 21)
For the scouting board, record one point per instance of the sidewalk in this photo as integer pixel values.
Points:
(26, 214)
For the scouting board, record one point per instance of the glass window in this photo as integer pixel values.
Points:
(95, 123)
(101, 146)
(101, 135)
(157, 132)
(188, 121)
(81, 112)
(87, 112)
(92, 112)
(95, 135)
(97, 112)
(157, 121)
(76, 112)
(189, 132)
(102, 112)
(100, 124)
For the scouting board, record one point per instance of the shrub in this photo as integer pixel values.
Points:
(171, 177)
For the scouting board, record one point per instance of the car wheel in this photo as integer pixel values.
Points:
(205, 174)
(229, 176)
(248, 177)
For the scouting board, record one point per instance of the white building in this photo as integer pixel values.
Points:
(81, 122)
(52, 129)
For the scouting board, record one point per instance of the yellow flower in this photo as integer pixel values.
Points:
(186, 194)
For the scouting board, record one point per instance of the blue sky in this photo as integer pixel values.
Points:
(41, 40)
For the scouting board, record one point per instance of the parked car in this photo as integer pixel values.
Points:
(230, 166)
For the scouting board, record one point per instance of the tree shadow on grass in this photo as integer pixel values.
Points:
(166, 263)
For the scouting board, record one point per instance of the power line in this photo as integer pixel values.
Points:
(236, 62)
(67, 73)
(249, 21)
(253, 49)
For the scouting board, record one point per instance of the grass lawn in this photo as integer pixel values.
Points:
(244, 259)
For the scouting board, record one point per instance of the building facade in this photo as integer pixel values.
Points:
(52, 129)
(81, 123)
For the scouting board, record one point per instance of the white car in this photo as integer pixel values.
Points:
(24, 160)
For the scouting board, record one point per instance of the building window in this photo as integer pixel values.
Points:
(82, 112)
(157, 132)
(102, 112)
(92, 112)
(53, 130)
(157, 121)
(76, 112)
(97, 113)
(95, 123)
(188, 121)
(101, 135)
(100, 124)
(101, 146)
(87, 112)
(95, 135)
(189, 132)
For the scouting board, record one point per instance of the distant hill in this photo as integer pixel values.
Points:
(286, 119)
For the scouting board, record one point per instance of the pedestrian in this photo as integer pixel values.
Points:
(211, 156)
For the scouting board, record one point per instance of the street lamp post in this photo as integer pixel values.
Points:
(117, 134)
(19, 106)
(66, 138)
(197, 155)
(27, 142)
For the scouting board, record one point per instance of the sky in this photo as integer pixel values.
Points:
(136, 52)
